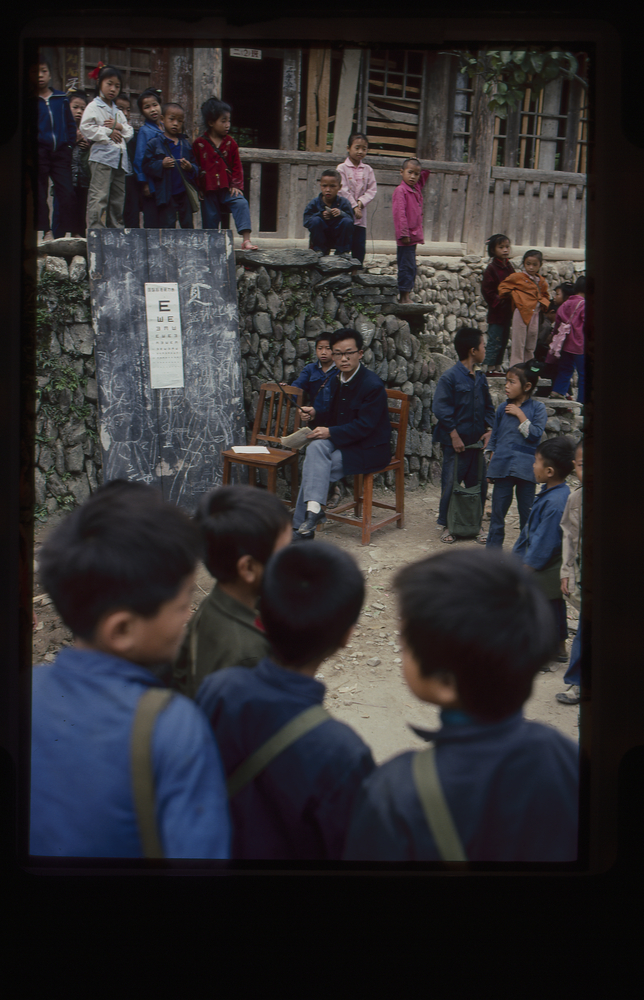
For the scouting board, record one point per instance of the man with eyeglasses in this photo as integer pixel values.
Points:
(353, 434)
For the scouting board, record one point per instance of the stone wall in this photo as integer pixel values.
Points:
(286, 299)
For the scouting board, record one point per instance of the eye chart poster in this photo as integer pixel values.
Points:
(164, 335)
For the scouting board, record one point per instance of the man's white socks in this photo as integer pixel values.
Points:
(313, 507)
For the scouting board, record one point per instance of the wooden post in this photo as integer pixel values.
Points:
(290, 119)
(206, 81)
(478, 195)
(317, 99)
(549, 126)
(433, 119)
(180, 83)
(346, 100)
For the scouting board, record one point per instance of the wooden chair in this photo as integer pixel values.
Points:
(363, 501)
(279, 412)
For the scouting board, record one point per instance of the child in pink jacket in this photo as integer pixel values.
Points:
(359, 188)
(407, 208)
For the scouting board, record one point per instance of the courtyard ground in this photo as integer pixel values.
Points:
(370, 696)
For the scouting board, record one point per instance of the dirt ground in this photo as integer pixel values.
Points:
(364, 683)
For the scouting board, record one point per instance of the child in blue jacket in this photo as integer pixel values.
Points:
(56, 139)
(540, 543)
(297, 803)
(518, 428)
(150, 107)
(476, 629)
(329, 218)
(167, 160)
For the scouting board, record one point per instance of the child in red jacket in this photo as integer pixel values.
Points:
(407, 208)
(220, 171)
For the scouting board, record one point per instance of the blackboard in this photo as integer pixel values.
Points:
(170, 438)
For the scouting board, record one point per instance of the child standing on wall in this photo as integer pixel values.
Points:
(359, 188)
(221, 177)
(107, 129)
(529, 293)
(407, 208)
(169, 161)
(499, 314)
(131, 205)
(150, 107)
(80, 170)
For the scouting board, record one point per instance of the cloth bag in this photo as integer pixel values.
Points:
(191, 191)
(465, 510)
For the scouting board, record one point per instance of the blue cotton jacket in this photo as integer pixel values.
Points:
(510, 786)
(358, 421)
(541, 538)
(317, 205)
(56, 126)
(514, 453)
(299, 806)
(81, 778)
(313, 380)
(147, 131)
(156, 150)
(462, 402)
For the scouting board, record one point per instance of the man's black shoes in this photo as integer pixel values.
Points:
(308, 526)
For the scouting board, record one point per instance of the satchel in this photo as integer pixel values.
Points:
(560, 337)
(465, 510)
(191, 191)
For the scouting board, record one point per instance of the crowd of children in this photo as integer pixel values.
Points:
(247, 764)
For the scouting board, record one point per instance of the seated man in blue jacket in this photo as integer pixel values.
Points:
(465, 412)
(352, 437)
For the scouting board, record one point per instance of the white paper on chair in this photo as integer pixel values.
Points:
(250, 449)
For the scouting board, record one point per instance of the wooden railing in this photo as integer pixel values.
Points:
(534, 207)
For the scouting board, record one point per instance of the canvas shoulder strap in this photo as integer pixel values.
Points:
(277, 744)
(435, 808)
(151, 704)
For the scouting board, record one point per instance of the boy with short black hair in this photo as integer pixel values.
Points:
(329, 218)
(80, 171)
(56, 139)
(465, 412)
(241, 527)
(169, 162)
(120, 570)
(316, 377)
(293, 803)
(475, 631)
(540, 541)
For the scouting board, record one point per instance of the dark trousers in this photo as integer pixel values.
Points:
(573, 673)
(329, 234)
(359, 244)
(57, 165)
(559, 609)
(131, 205)
(567, 363)
(150, 212)
(78, 217)
(468, 472)
(179, 206)
(501, 500)
(497, 341)
(406, 268)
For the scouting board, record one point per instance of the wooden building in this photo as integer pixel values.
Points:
(293, 110)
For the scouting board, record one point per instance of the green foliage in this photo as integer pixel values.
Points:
(40, 512)
(507, 74)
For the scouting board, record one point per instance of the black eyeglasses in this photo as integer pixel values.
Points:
(344, 354)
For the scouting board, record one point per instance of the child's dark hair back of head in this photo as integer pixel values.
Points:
(125, 547)
(567, 288)
(339, 335)
(331, 173)
(77, 94)
(149, 92)
(527, 373)
(465, 339)
(212, 109)
(580, 285)
(558, 452)
(311, 597)
(479, 616)
(238, 521)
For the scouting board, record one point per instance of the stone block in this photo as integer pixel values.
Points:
(403, 342)
(442, 363)
(263, 279)
(331, 305)
(278, 331)
(314, 326)
(58, 267)
(244, 344)
(302, 348)
(411, 481)
(391, 325)
(288, 352)
(262, 323)
(261, 305)
(79, 337)
(40, 486)
(74, 458)
(367, 328)
(553, 424)
(79, 487)
(278, 370)
(426, 444)
(77, 269)
(407, 388)
(391, 348)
